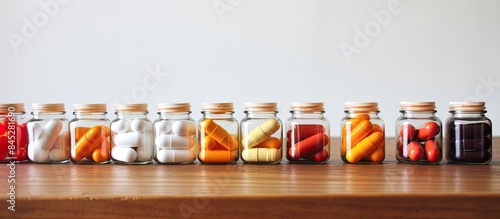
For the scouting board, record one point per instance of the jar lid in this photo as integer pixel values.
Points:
(47, 107)
(174, 107)
(89, 108)
(417, 106)
(361, 106)
(261, 106)
(467, 106)
(14, 107)
(307, 106)
(217, 107)
(131, 107)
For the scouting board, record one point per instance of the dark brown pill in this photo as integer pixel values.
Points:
(469, 156)
(479, 144)
(468, 131)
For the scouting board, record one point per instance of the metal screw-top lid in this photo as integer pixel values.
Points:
(361, 106)
(48, 107)
(174, 107)
(217, 107)
(131, 107)
(14, 107)
(89, 108)
(261, 106)
(467, 106)
(417, 106)
(307, 106)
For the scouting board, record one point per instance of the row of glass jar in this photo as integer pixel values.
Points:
(133, 139)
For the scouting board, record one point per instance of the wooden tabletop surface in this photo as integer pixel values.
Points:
(332, 190)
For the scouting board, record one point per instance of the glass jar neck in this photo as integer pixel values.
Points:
(174, 115)
(372, 114)
(96, 115)
(302, 114)
(126, 115)
(417, 114)
(51, 115)
(468, 114)
(251, 114)
(217, 115)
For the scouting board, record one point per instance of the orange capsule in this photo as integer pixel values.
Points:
(80, 131)
(365, 147)
(347, 128)
(219, 134)
(217, 156)
(90, 141)
(376, 156)
(363, 129)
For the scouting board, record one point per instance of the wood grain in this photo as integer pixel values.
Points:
(335, 189)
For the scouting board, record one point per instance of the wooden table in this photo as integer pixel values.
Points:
(332, 190)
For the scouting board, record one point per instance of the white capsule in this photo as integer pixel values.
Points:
(126, 155)
(49, 134)
(34, 130)
(120, 126)
(133, 139)
(175, 156)
(145, 153)
(182, 127)
(140, 125)
(36, 153)
(59, 154)
(163, 127)
(63, 141)
(174, 141)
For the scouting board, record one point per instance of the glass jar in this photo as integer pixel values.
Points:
(261, 137)
(362, 133)
(418, 134)
(131, 138)
(174, 134)
(13, 133)
(90, 134)
(218, 134)
(307, 133)
(468, 134)
(48, 134)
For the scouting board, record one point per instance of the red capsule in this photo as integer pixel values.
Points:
(302, 131)
(308, 146)
(321, 156)
(400, 147)
(415, 152)
(4, 144)
(428, 131)
(432, 152)
(408, 132)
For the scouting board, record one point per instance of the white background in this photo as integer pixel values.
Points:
(251, 50)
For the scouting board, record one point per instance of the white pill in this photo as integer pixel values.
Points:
(163, 127)
(184, 128)
(140, 125)
(175, 156)
(49, 134)
(59, 154)
(134, 139)
(127, 155)
(63, 141)
(36, 153)
(120, 126)
(174, 141)
(34, 130)
(145, 153)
